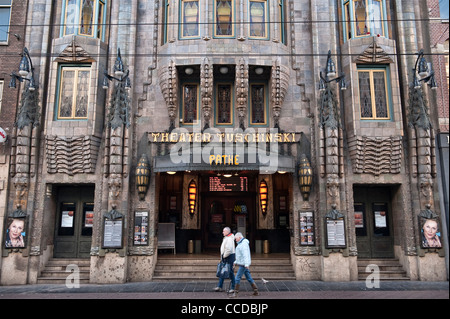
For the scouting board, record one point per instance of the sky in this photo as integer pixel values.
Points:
(443, 4)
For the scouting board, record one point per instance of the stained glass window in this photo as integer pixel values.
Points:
(364, 18)
(224, 104)
(84, 17)
(190, 103)
(190, 18)
(257, 104)
(373, 94)
(258, 19)
(73, 93)
(224, 18)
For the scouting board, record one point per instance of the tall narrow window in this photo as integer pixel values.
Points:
(190, 102)
(224, 18)
(189, 18)
(5, 15)
(373, 94)
(258, 114)
(73, 92)
(347, 15)
(360, 17)
(258, 19)
(224, 104)
(84, 17)
(283, 27)
(165, 19)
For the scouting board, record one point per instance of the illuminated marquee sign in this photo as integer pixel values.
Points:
(198, 137)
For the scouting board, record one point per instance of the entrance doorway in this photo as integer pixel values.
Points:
(235, 210)
(74, 221)
(373, 222)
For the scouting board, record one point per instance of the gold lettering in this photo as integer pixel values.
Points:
(286, 137)
(198, 137)
(164, 137)
(293, 137)
(229, 137)
(269, 137)
(155, 137)
(239, 138)
(173, 137)
(279, 137)
(206, 137)
(182, 137)
(236, 158)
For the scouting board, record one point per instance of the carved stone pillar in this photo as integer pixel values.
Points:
(242, 91)
(206, 87)
(168, 81)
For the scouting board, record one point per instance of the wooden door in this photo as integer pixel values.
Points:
(373, 222)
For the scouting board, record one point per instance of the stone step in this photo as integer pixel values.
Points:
(389, 269)
(55, 272)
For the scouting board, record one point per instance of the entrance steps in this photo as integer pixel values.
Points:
(390, 269)
(55, 270)
(203, 267)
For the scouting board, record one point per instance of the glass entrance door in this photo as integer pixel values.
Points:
(373, 222)
(74, 221)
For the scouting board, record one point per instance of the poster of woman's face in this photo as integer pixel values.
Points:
(430, 233)
(15, 233)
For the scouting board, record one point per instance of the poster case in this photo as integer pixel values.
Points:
(140, 235)
(430, 232)
(112, 233)
(335, 233)
(16, 232)
(307, 235)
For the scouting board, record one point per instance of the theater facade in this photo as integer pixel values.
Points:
(154, 124)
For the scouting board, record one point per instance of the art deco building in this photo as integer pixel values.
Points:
(305, 125)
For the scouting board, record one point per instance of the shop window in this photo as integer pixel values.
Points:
(190, 103)
(5, 15)
(259, 24)
(224, 18)
(374, 94)
(258, 104)
(84, 17)
(224, 104)
(189, 18)
(73, 96)
(364, 18)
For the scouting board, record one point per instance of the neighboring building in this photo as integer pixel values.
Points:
(12, 40)
(438, 42)
(224, 112)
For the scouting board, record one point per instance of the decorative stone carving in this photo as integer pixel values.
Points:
(374, 54)
(280, 83)
(74, 53)
(377, 155)
(242, 91)
(72, 155)
(169, 83)
(206, 84)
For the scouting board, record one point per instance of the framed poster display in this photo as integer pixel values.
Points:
(140, 236)
(15, 235)
(307, 236)
(335, 232)
(112, 233)
(430, 233)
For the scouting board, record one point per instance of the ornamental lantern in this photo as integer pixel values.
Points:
(305, 177)
(192, 197)
(263, 196)
(142, 176)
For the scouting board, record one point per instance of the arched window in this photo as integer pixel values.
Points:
(84, 17)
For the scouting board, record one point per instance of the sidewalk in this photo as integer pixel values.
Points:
(204, 290)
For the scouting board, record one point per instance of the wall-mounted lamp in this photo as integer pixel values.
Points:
(263, 196)
(192, 197)
(330, 71)
(189, 70)
(142, 176)
(305, 175)
(25, 67)
(122, 77)
(424, 71)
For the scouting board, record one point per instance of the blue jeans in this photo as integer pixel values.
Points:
(243, 271)
(230, 260)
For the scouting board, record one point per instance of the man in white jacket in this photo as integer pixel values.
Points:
(243, 260)
(227, 253)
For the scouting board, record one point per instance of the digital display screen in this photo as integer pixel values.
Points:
(228, 184)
